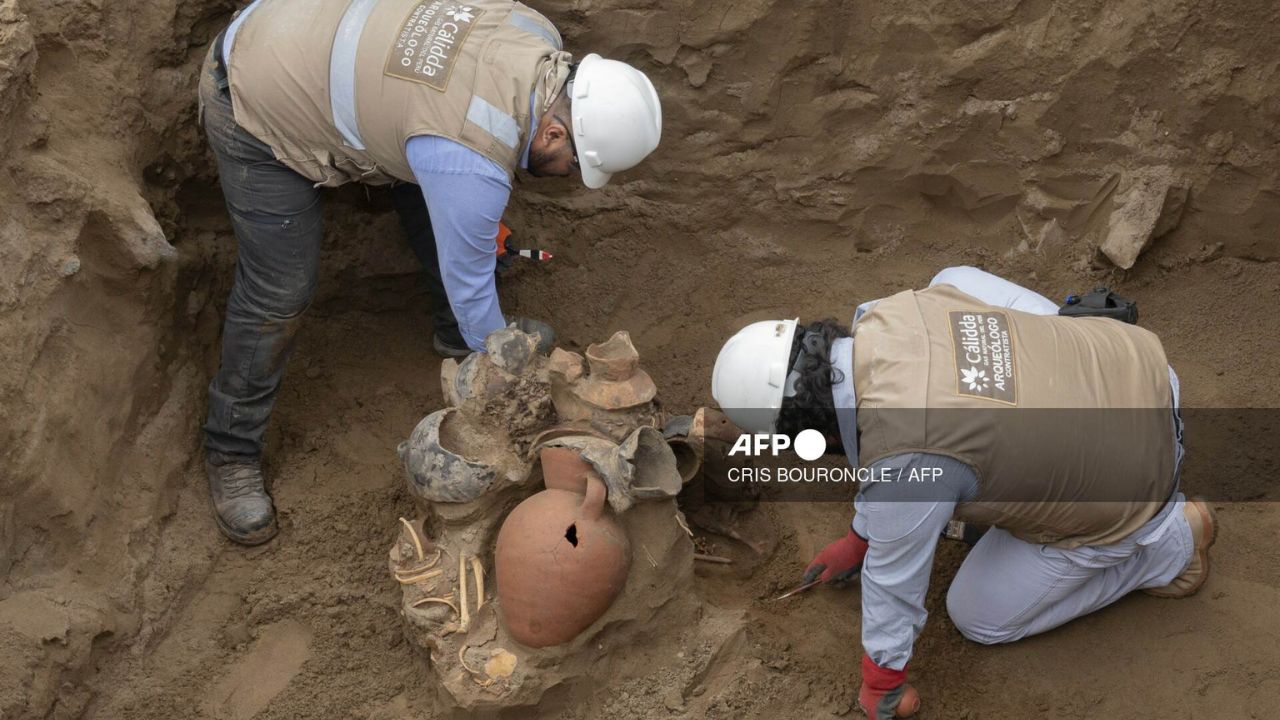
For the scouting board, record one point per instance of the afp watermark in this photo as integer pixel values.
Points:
(809, 444)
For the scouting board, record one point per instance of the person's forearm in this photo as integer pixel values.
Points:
(467, 272)
(465, 195)
(477, 310)
(895, 579)
(902, 522)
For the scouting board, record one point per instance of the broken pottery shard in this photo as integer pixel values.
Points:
(1148, 204)
(687, 437)
(460, 473)
(656, 473)
(436, 473)
(642, 467)
(465, 379)
(448, 382)
(511, 349)
(565, 365)
(615, 381)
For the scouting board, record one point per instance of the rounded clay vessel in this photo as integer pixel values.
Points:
(561, 557)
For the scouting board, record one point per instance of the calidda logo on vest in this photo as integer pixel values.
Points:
(984, 355)
(430, 41)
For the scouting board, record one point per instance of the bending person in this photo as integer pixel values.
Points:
(442, 100)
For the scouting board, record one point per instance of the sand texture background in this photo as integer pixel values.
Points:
(815, 154)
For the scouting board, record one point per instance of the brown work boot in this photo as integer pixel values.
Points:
(241, 505)
(1204, 530)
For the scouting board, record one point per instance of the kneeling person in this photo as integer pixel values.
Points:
(1061, 433)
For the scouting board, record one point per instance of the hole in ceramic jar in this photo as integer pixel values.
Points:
(572, 535)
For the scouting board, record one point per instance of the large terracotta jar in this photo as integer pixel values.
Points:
(561, 557)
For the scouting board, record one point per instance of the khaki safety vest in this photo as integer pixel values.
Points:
(1067, 422)
(336, 87)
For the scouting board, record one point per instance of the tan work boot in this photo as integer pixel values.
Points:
(1204, 530)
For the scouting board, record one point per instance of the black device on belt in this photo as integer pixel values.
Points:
(1102, 302)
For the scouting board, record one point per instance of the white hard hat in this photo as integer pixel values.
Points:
(751, 371)
(617, 119)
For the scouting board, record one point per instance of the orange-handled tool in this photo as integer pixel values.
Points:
(505, 248)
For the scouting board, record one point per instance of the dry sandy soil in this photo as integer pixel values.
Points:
(815, 154)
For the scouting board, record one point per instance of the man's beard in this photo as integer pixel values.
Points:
(538, 162)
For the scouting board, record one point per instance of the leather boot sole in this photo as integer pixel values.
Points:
(250, 539)
(1209, 523)
(446, 350)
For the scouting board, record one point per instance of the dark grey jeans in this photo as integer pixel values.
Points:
(276, 216)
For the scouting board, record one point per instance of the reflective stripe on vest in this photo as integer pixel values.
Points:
(342, 71)
(342, 79)
(234, 27)
(529, 25)
(492, 120)
(317, 91)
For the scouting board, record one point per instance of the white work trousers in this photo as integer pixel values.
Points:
(1008, 589)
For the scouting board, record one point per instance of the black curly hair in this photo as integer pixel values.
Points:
(812, 405)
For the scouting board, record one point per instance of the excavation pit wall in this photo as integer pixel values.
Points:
(815, 154)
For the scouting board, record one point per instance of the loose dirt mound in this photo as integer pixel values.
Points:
(815, 154)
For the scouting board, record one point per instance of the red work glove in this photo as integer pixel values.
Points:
(838, 562)
(885, 693)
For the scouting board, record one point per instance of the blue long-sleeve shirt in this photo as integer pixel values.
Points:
(466, 194)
